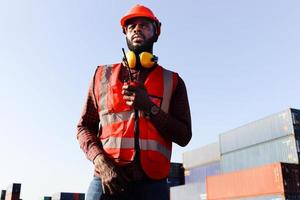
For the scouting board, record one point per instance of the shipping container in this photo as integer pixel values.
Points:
(280, 150)
(12, 196)
(78, 196)
(187, 192)
(13, 191)
(3, 192)
(201, 156)
(176, 170)
(199, 174)
(275, 126)
(68, 196)
(14, 188)
(176, 175)
(277, 178)
(273, 197)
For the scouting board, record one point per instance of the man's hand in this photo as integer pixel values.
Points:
(136, 96)
(113, 180)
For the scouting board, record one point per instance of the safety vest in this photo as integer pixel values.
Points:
(117, 120)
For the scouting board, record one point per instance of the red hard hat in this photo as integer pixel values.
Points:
(141, 11)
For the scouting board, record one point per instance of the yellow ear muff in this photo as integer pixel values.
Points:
(130, 55)
(147, 59)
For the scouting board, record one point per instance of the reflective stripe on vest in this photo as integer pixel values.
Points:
(127, 143)
(106, 73)
(109, 118)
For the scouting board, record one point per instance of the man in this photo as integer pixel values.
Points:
(134, 111)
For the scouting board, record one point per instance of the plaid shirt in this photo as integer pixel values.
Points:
(174, 126)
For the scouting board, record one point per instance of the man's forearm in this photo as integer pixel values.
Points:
(88, 127)
(175, 125)
(172, 129)
(88, 143)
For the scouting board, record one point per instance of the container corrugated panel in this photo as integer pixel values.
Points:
(201, 156)
(269, 128)
(186, 192)
(3, 192)
(277, 178)
(199, 174)
(279, 150)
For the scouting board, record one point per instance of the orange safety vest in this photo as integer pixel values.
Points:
(117, 120)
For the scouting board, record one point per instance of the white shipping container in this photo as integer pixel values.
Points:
(280, 150)
(269, 128)
(201, 156)
(273, 197)
(187, 192)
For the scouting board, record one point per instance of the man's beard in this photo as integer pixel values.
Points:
(147, 46)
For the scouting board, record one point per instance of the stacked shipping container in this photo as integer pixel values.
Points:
(201, 163)
(198, 164)
(251, 159)
(272, 139)
(13, 192)
(279, 179)
(68, 196)
(187, 192)
(3, 192)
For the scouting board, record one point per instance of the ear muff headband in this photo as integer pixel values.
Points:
(147, 59)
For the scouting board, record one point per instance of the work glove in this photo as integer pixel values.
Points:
(136, 95)
(114, 181)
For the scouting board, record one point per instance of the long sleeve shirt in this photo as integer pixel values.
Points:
(174, 126)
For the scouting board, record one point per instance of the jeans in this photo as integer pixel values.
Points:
(137, 190)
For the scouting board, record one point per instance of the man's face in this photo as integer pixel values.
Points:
(139, 33)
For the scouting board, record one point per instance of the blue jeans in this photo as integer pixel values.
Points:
(137, 190)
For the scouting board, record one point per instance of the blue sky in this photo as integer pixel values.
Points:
(239, 59)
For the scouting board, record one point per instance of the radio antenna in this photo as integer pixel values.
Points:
(127, 65)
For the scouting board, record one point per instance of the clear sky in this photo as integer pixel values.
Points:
(240, 61)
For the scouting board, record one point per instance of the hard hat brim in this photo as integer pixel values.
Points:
(131, 16)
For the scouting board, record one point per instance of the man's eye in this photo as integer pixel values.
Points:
(130, 27)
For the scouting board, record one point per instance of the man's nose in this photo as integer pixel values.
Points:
(138, 28)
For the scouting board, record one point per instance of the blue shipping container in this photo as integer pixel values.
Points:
(187, 192)
(199, 174)
(280, 150)
(275, 126)
(274, 197)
